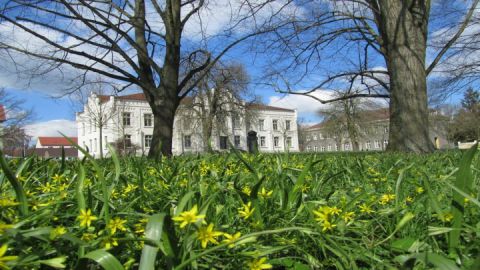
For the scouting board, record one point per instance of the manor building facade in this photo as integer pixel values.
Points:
(372, 134)
(127, 122)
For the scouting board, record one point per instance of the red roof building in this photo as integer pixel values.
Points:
(3, 116)
(55, 142)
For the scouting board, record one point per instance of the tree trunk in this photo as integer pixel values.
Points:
(100, 127)
(207, 133)
(162, 137)
(351, 125)
(403, 27)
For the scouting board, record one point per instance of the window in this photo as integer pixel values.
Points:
(236, 122)
(289, 142)
(309, 148)
(336, 147)
(83, 129)
(308, 138)
(105, 142)
(329, 147)
(223, 142)
(127, 140)
(377, 144)
(320, 135)
(287, 124)
(315, 148)
(261, 124)
(275, 141)
(368, 145)
(187, 141)
(94, 126)
(262, 141)
(275, 124)
(187, 124)
(236, 140)
(346, 146)
(323, 148)
(148, 120)
(385, 143)
(385, 130)
(90, 146)
(315, 137)
(147, 140)
(126, 119)
(95, 145)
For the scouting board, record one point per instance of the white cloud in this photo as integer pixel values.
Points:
(52, 128)
(301, 103)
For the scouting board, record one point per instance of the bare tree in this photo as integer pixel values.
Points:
(347, 116)
(98, 113)
(219, 98)
(393, 34)
(121, 41)
(15, 117)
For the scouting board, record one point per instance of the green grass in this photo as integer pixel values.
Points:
(300, 211)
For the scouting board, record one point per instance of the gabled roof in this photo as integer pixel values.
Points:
(3, 116)
(365, 116)
(187, 100)
(136, 97)
(261, 107)
(56, 141)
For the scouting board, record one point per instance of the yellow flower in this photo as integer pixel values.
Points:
(246, 190)
(88, 237)
(58, 231)
(348, 216)
(327, 226)
(140, 227)
(264, 193)
(86, 217)
(57, 178)
(246, 211)
(5, 259)
(357, 190)
(323, 213)
(365, 209)
(4, 227)
(6, 202)
(409, 199)
(116, 224)
(188, 217)
(259, 264)
(184, 182)
(109, 242)
(129, 188)
(419, 190)
(207, 234)
(386, 198)
(447, 217)
(335, 211)
(230, 239)
(46, 188)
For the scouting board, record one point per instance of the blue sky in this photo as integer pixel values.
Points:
(58, 114)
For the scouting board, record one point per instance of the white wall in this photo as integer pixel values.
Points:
(115, 130)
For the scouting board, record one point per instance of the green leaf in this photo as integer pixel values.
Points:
(58, 262)
(104, 258)
(153, 232)
(438, 260)
(463, 182)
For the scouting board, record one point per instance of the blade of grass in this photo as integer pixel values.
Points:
(103, 258)
(17, 186)
(463, 182)
(153, 232)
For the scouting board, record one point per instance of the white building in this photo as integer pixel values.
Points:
(272, 129)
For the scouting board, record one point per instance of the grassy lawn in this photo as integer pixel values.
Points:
(239, 211)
